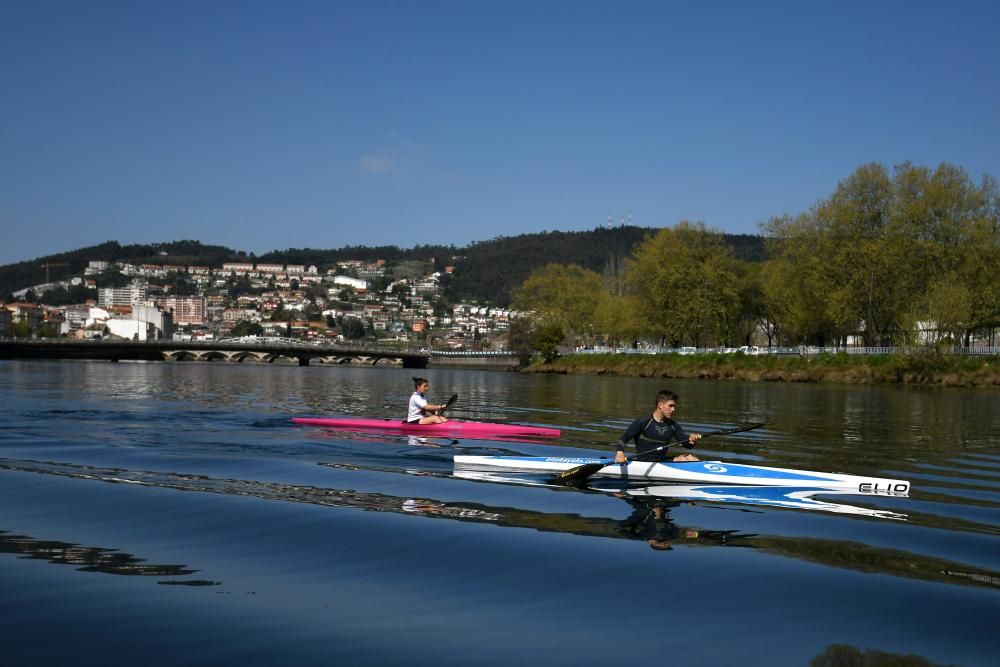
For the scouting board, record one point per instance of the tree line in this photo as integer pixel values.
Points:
(485, 272)
(896, 257)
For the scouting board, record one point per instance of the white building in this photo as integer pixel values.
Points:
(74, 317)
(143, 323)
(237, 267)
(161, 324)
(270, 269)
(96, 266)
(122, 296)
(347, 281)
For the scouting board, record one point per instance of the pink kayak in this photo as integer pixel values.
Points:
(450, 429)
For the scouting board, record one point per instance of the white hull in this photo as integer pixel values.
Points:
(787, 497)
(705, 472)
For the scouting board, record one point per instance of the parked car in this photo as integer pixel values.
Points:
(687, 350)
(750, 350)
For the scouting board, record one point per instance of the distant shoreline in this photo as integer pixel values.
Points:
(924, 369)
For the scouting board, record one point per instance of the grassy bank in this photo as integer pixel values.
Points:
(925, 368)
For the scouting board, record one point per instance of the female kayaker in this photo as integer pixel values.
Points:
(420, 410)
(656, 430)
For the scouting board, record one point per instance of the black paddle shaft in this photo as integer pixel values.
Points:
(584, 471)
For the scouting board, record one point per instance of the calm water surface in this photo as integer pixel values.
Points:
(170, 514)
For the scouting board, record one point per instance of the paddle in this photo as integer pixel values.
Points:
(584, 471)
(454, 397)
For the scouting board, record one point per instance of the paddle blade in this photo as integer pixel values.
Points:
(578, 473)
(454, 397)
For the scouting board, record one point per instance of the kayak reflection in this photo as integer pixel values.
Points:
(789, 497)
(650, 521)
(802, 498)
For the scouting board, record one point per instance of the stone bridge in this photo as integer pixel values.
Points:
(267, 351)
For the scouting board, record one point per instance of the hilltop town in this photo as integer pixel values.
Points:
(354, 300)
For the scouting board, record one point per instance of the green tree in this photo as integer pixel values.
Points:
(247, 328)
(796, 282)
(752, 314)
(981, 260)
(57, 296)
(111, 278)
(519, 339)
(618, 318)
(685, 279)
(871, 285)
(239, 285)
(183, 285)
(882, 254)
(563, 295)
(21, 329)
(352, 327)
(314, 313)
(546, 340)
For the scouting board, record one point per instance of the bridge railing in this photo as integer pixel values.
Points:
(803, 350)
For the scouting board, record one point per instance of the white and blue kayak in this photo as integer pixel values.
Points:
(785, 497)
(702, 472)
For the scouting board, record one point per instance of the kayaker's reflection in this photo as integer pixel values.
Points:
(650, 521)
(421, 441)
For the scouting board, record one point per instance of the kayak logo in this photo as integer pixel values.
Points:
(715, 467)
(900, 489)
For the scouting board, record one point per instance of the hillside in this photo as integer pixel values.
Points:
(491, 270)
(486, 271)
(72, 263)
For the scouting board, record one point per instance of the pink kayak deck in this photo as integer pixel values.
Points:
(450, 429)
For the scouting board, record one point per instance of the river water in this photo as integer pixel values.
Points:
(170, 514)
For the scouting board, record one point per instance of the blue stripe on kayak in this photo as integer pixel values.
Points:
(737, 470)
(760, 493)
(706, 467)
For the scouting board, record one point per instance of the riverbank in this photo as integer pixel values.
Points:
(924, 368)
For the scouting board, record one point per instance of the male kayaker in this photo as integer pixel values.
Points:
(657, 430)
(420, 410)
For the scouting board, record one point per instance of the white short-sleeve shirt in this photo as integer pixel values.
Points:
(417, 404)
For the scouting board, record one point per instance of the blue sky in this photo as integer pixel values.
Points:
(267, 125)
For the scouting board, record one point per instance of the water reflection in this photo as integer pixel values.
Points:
(843, 655)
(649, 521)
(89, 559)
(800, 498)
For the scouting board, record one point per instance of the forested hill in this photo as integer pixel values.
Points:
(487, 271)
(491, 270)
(72, 263)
